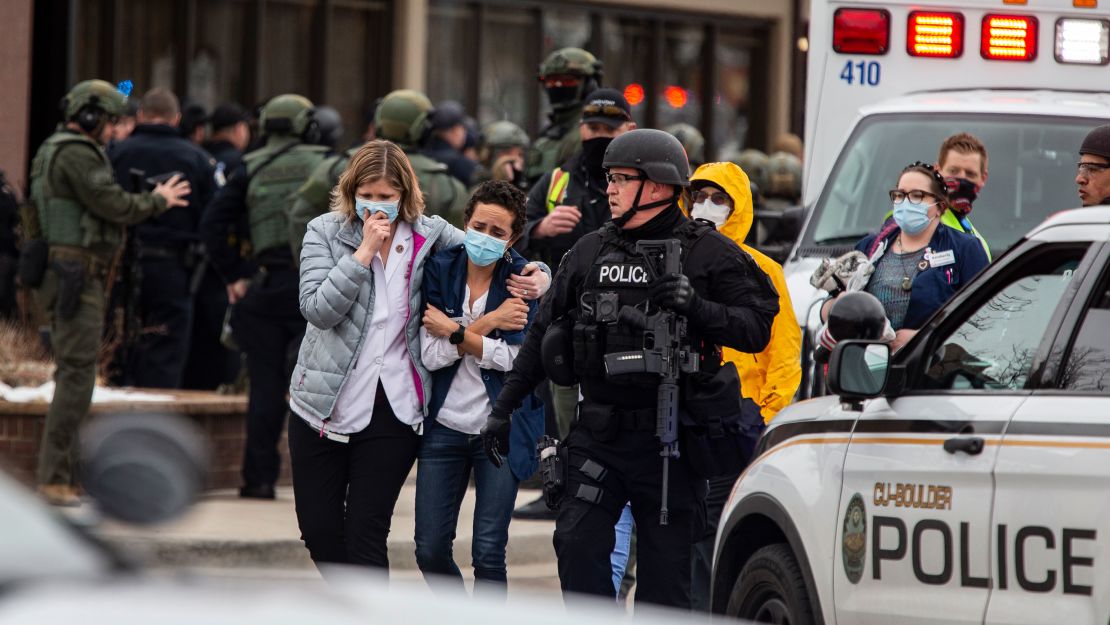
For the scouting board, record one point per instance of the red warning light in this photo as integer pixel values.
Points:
(675, 96)
(634, 93)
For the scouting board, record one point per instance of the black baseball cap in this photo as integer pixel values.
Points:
(227, 115)
(447, 114)
(606, 106)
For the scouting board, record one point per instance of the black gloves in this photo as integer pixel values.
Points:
(495, 438)
(673, 291)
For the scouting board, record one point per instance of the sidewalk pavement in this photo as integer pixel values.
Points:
(225, 535)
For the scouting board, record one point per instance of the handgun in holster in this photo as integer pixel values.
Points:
(553, 470)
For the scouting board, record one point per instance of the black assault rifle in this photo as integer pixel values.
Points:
(666, 352)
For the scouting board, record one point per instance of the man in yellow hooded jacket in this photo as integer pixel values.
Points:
(721, 193)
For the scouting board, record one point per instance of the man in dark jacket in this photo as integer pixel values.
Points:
(448, 140)
(166, 246)
(569, 201)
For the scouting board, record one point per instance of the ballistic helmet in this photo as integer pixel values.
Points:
(570, 62)
(784, 176)
(692, 140)
(330, 124)
(505, 134)
(754, 163)
(94, 96)
(404, 117)
(289, 114)
(656, 153)
(857, 315)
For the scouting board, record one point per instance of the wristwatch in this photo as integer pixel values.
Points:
(457, 336)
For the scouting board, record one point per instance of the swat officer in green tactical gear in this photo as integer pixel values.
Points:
(313, 198)
(405, 118)
(692, 141)
(74, 228)
(262, 289)
(568, 76)
(502, 152)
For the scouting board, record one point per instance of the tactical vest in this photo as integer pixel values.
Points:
(618, 276)
(442, 196)
(273, 182)
(64, 221)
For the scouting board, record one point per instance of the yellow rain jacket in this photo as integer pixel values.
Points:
(771, 377)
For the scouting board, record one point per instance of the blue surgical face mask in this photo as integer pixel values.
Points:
(483, 249)
(911, 217)
(365, 207)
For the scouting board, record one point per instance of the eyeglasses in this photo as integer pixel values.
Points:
(620, 179)
(898, 196)
(716, 197)
(604, 110)
(1086, 169)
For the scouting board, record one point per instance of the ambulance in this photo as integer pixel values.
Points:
(889, 81)
(964, 479)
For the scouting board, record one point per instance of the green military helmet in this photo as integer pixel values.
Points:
(570, 62)
(289, 114)
(754, 163)
(505, 134)
(784, 176)
(404, 117)
(691, 139)
(98, 95)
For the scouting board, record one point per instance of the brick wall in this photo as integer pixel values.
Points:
(221, 417)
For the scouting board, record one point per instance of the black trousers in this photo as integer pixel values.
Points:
(209, 364)
(166, 324)
(584, 534)
(345, 492)
(268, 327)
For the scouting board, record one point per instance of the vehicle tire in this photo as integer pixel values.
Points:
(771, 589)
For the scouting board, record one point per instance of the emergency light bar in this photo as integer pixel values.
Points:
(861, 31)
(1082, 41)
(1009, 38)
(938, 35)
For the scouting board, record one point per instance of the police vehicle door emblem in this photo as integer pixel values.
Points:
(622, 274)
(854, 540)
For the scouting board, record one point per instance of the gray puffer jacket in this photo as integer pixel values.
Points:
(337, 296)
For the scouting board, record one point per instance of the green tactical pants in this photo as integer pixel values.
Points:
(76, 345)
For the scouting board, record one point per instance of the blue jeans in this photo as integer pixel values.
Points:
(621, 548)
(446, 459)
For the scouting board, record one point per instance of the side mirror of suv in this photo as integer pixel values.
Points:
(858, 370)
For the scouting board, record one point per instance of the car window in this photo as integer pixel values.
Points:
(993, 349)
(1032, 172)
(1087, 367)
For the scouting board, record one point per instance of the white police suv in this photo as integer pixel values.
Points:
(964, 479)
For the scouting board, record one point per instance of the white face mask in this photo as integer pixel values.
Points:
(716, 213)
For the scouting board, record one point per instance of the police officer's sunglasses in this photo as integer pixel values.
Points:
(1087, 169)
(605, 110)
(898, 196)
(619, 179)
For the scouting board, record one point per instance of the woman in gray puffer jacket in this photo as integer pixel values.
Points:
(359, 386)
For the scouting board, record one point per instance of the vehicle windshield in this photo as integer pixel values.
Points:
(1031, 173)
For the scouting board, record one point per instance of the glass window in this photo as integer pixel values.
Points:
(507, 82)
(451, 27)
(146, 34)
(731, 102)
(681, 78)
(1032, 172)
(215, 70)
(287, 47)
(628, 52)
(359, 64)
(1087, 367)
(993, 349)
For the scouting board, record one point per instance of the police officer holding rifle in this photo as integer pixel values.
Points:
(636, 314)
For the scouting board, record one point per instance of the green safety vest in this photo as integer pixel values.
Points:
(64, 221)
(273, 183)
(950, 219)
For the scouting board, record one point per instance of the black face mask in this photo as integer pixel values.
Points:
(560, 97)
(593, 155)
(961, 194)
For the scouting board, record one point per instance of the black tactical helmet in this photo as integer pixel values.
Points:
(656, 153)
(330, 125)
(857, 315)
